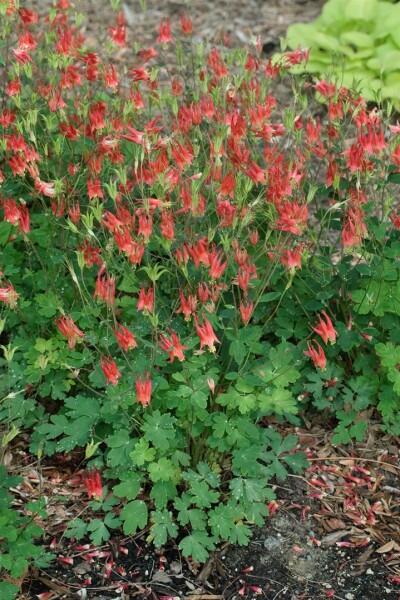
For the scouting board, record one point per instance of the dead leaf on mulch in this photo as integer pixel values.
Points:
(389, 547)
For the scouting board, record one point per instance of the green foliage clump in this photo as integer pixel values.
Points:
(18, 537)
(354, 42)
(184, 264)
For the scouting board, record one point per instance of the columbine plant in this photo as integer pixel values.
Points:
(186, 263)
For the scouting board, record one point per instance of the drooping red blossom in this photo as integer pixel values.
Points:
(145, 224)
(58, 206)
(9, 296)
(255, 172)
(146, 299)
(7, 117)
(203, 292)
(125, 338)
(91, 254)
(186, 25)
(146, 54)
(216, 63)
(395, 158)
(316, 353)
(22, 56)
(110, 369)
(172, 345)
(226, 212)
(182, 155)
(291, 259)
(143, 389)
(167, 225)
(93, 485)
(199, 253)
(246, 308)
(395, 128)
(28, 17)
(297, 56)
(68, 328)
(165, 36)
(96, 115)
(325, 328)
(74, 212)
(206, 334)
(110, 77)
(105, 287)
(139, 74)
(292, 217)
(188, 306)
(17, 215)
(13, 87)
(327, 90)
(354, 229)
(395, 218)
(118, 33)
(217, 267)
(246, 272)
(94, 188)
(45, 188)
(134, 136)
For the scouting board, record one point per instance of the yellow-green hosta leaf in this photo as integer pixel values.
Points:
(361, 11)
(357, 38)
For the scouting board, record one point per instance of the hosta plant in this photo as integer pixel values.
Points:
(186, 263)
(354, 42)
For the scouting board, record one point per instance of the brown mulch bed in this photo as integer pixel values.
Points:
(332, 532)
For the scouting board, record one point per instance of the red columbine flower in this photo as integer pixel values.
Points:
(316, 353)
(146, 299)
(125, 338)
(9, 296)
(13, 88)
(110, 369)
(17, 215)
(28, 16)
(165, 33)
(292, 217)
(217, 267)
(173, 346)
(291, 259)
(395, 218)
(327, 90)
(143, 389)
(45, 188)
(186, 25)
(105, 287)
(93, 485)
(354, 228)
(118, 34)
(187, 307)
(203, 292)
(94, 188)
(68, 328)
(22, 56)
(216, 63)
(325, 329)
(206, 334)
(297, 56)
(246, 310)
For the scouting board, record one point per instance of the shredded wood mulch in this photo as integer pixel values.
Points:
(332, 532)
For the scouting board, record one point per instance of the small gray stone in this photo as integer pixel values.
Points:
(271, 543)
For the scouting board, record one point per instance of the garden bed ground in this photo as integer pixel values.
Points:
(334, 532)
